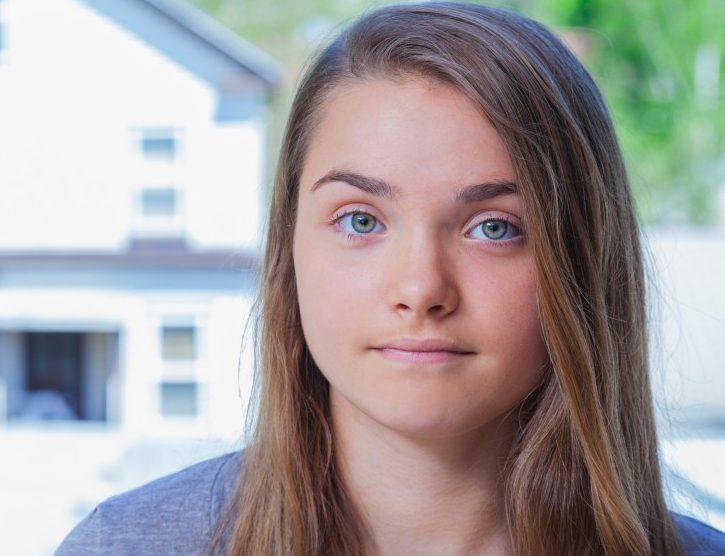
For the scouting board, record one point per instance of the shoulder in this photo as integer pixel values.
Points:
(699, 539)
(171, 515)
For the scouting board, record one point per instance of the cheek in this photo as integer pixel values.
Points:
(507, 316)
(336, 298)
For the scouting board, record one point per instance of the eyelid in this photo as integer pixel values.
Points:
(494, 215)
(352, 209)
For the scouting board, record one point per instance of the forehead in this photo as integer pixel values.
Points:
(414, 132)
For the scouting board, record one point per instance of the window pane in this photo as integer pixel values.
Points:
(159, 147)
(158, 201)
(179, 399)
(54, 375)
(178, 343)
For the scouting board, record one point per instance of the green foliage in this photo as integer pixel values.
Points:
(659, 63)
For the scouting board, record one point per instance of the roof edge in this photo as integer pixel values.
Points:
(221, 38)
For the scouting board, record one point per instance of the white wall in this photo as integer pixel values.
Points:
(688, 305)
(75, 88)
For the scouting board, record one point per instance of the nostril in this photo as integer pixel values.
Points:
(432, 310)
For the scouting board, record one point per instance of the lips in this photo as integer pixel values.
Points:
(431, 350)
(425, 345)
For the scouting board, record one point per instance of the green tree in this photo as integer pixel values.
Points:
(659, 63)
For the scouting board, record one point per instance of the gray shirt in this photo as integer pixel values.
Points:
(176, 515)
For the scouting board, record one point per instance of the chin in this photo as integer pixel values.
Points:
(428, 423)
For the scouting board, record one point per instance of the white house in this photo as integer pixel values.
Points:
(132, 143)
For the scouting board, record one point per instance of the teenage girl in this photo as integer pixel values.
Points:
(452, 341)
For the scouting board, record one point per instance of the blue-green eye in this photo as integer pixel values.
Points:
(497, 229)
(358, 222)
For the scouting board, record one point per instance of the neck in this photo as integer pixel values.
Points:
(422, 496)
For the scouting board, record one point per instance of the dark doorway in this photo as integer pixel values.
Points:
(55, 374)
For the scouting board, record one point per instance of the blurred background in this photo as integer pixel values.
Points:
(137, 145)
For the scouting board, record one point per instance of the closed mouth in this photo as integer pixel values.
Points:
(428, 345)
(422, 356)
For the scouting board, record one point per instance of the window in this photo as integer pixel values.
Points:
(179, 386)
(179, 399)
(159, 144)
(159, 201)
(158, 194)
(178, 343)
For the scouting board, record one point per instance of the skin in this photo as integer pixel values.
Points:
(420, 444)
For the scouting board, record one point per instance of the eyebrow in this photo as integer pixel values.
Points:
(379, 188)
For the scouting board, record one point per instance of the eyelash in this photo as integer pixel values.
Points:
(335, 220)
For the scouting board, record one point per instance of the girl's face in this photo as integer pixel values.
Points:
(416, 283)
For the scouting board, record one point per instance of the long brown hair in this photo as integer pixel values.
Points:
(583, 475)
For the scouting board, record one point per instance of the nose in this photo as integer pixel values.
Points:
(422, 281)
